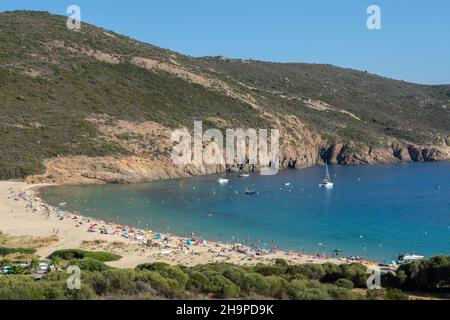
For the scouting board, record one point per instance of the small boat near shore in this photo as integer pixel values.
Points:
(244, 175)
(405, 258)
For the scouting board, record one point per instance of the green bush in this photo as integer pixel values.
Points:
(270, 270)
(333, 272)
(425, 275)
(344, 283)
(7, 251)
(281, 263)
(235, 274)
(85, 293)
(152, 281)
(306, 290)
(20, 288)
(156, 266)
(376, 294)
(215, 284)
(120, 281)
(80, 254)
(197, 282)
(355, 272)
(305, 271)
(254, 282)
(97, 281)
(341, 293)
(167, 271)
(52, 291)
(386, 294)
(277, 287)
(396, 294)
(222, 288)
(89, 264)
(315, 294)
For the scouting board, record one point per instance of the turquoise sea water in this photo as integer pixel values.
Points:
(375, 211)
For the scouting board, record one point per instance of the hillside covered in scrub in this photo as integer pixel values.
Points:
(93, 106)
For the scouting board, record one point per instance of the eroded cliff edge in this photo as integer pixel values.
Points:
(150, 146)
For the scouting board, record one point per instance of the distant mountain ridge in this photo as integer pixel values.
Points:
(94, 106)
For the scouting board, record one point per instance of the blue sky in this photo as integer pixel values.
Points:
(413, 45)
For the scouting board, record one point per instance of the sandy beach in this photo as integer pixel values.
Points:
(27, 218)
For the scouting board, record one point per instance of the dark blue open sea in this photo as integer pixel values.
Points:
(375, 211)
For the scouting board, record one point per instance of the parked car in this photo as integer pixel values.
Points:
(7, 270)
(24, 265)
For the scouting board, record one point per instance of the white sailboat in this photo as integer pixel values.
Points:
(326, 183)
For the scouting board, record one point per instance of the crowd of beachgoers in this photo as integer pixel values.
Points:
(148, 245)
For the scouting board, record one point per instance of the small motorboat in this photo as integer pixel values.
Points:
(326, 183)
(244, 175)
(223, 181)
(405, 258)
(250, 192)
